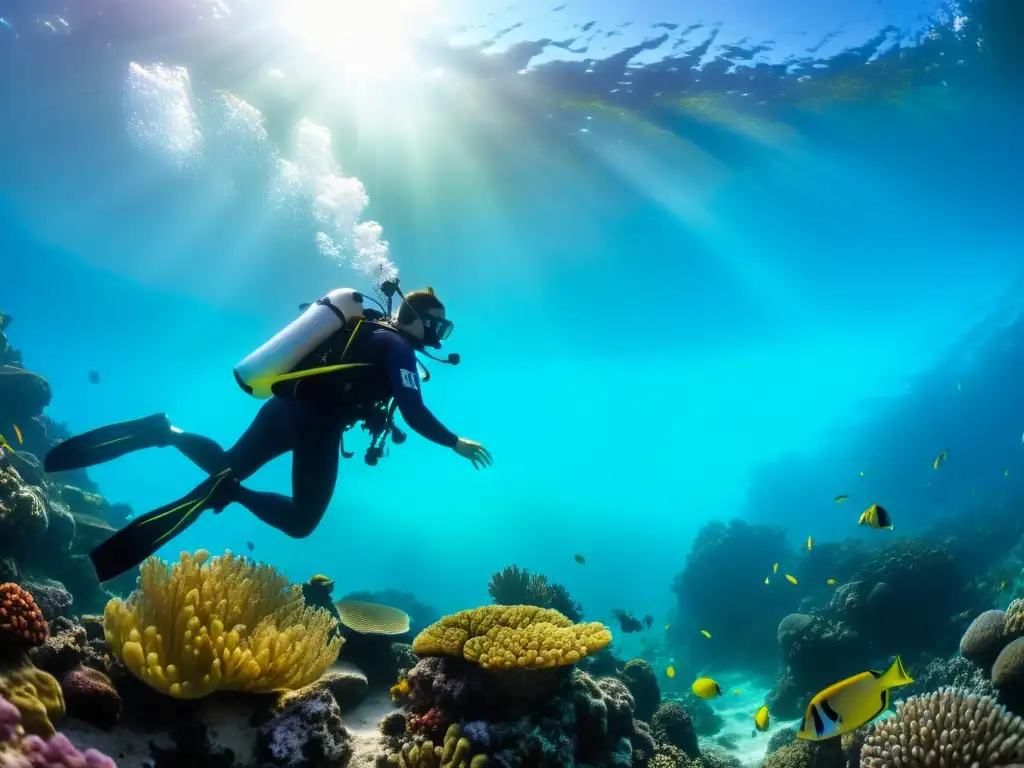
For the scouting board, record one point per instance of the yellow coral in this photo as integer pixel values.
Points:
(36, 694)
(512, 637)
(224, 623)
(457, 752)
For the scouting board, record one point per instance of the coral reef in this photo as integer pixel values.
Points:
(172, 633)
(947, 727)
(517, 586)
(672, 724)
(642, 681)
(731, 560)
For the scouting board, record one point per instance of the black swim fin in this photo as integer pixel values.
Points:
(110, 442)
(146, 534)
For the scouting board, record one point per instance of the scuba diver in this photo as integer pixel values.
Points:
(338, 364)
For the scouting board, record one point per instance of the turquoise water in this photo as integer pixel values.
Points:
(670, 310)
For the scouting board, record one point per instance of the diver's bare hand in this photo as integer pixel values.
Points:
(476, 453)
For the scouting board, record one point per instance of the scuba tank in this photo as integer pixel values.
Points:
(276, 359)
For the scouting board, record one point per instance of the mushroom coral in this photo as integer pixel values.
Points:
(222, 623)
(512, 637)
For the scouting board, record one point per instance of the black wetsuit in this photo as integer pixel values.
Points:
(308, 417)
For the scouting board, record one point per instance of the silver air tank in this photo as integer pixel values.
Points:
(258, 372)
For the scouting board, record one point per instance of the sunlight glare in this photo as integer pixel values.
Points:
(368, 38)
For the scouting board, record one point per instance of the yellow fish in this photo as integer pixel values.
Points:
(706, 688)
(708, 634)
(876, 517)
(847, 705)
(862, 473)
(940, 458)
(831, 582)
(667, 626)
(766, 580)
(670, 671)
(1002, 585)
(843, 496)
(17, 434)
(761, 719)
(737, 692)
(791, 579)
(810, 543)
(5, 444)
(775, 568)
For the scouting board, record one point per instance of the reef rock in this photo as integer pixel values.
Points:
(24, 394)
(306, 733)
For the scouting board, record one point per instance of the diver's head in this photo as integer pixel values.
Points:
(421, 315)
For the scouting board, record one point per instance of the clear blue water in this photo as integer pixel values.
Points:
(690, 281)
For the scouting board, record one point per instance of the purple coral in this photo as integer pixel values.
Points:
(59, 752)
(10, 719)
(91, 696)
(35, 752)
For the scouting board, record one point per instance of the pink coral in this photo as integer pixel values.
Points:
(35, 752)
(59, 752)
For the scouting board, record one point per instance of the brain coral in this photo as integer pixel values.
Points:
(949, 728)
(224, 623)
(22, 624)
(984, 639)
(512, 637)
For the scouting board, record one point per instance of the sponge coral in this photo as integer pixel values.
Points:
(224, 623)
(22, 625)
(949, 727)
(512, 637)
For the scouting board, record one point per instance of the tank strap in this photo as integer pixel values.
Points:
(325, 301)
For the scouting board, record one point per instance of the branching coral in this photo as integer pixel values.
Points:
(224, 623)
(949, 728)
(517, 586)
(512, 637)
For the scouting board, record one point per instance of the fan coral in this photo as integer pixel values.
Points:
(948, 727)
(173, 631)
(372, 618)
(512, 637)
(22, 625)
